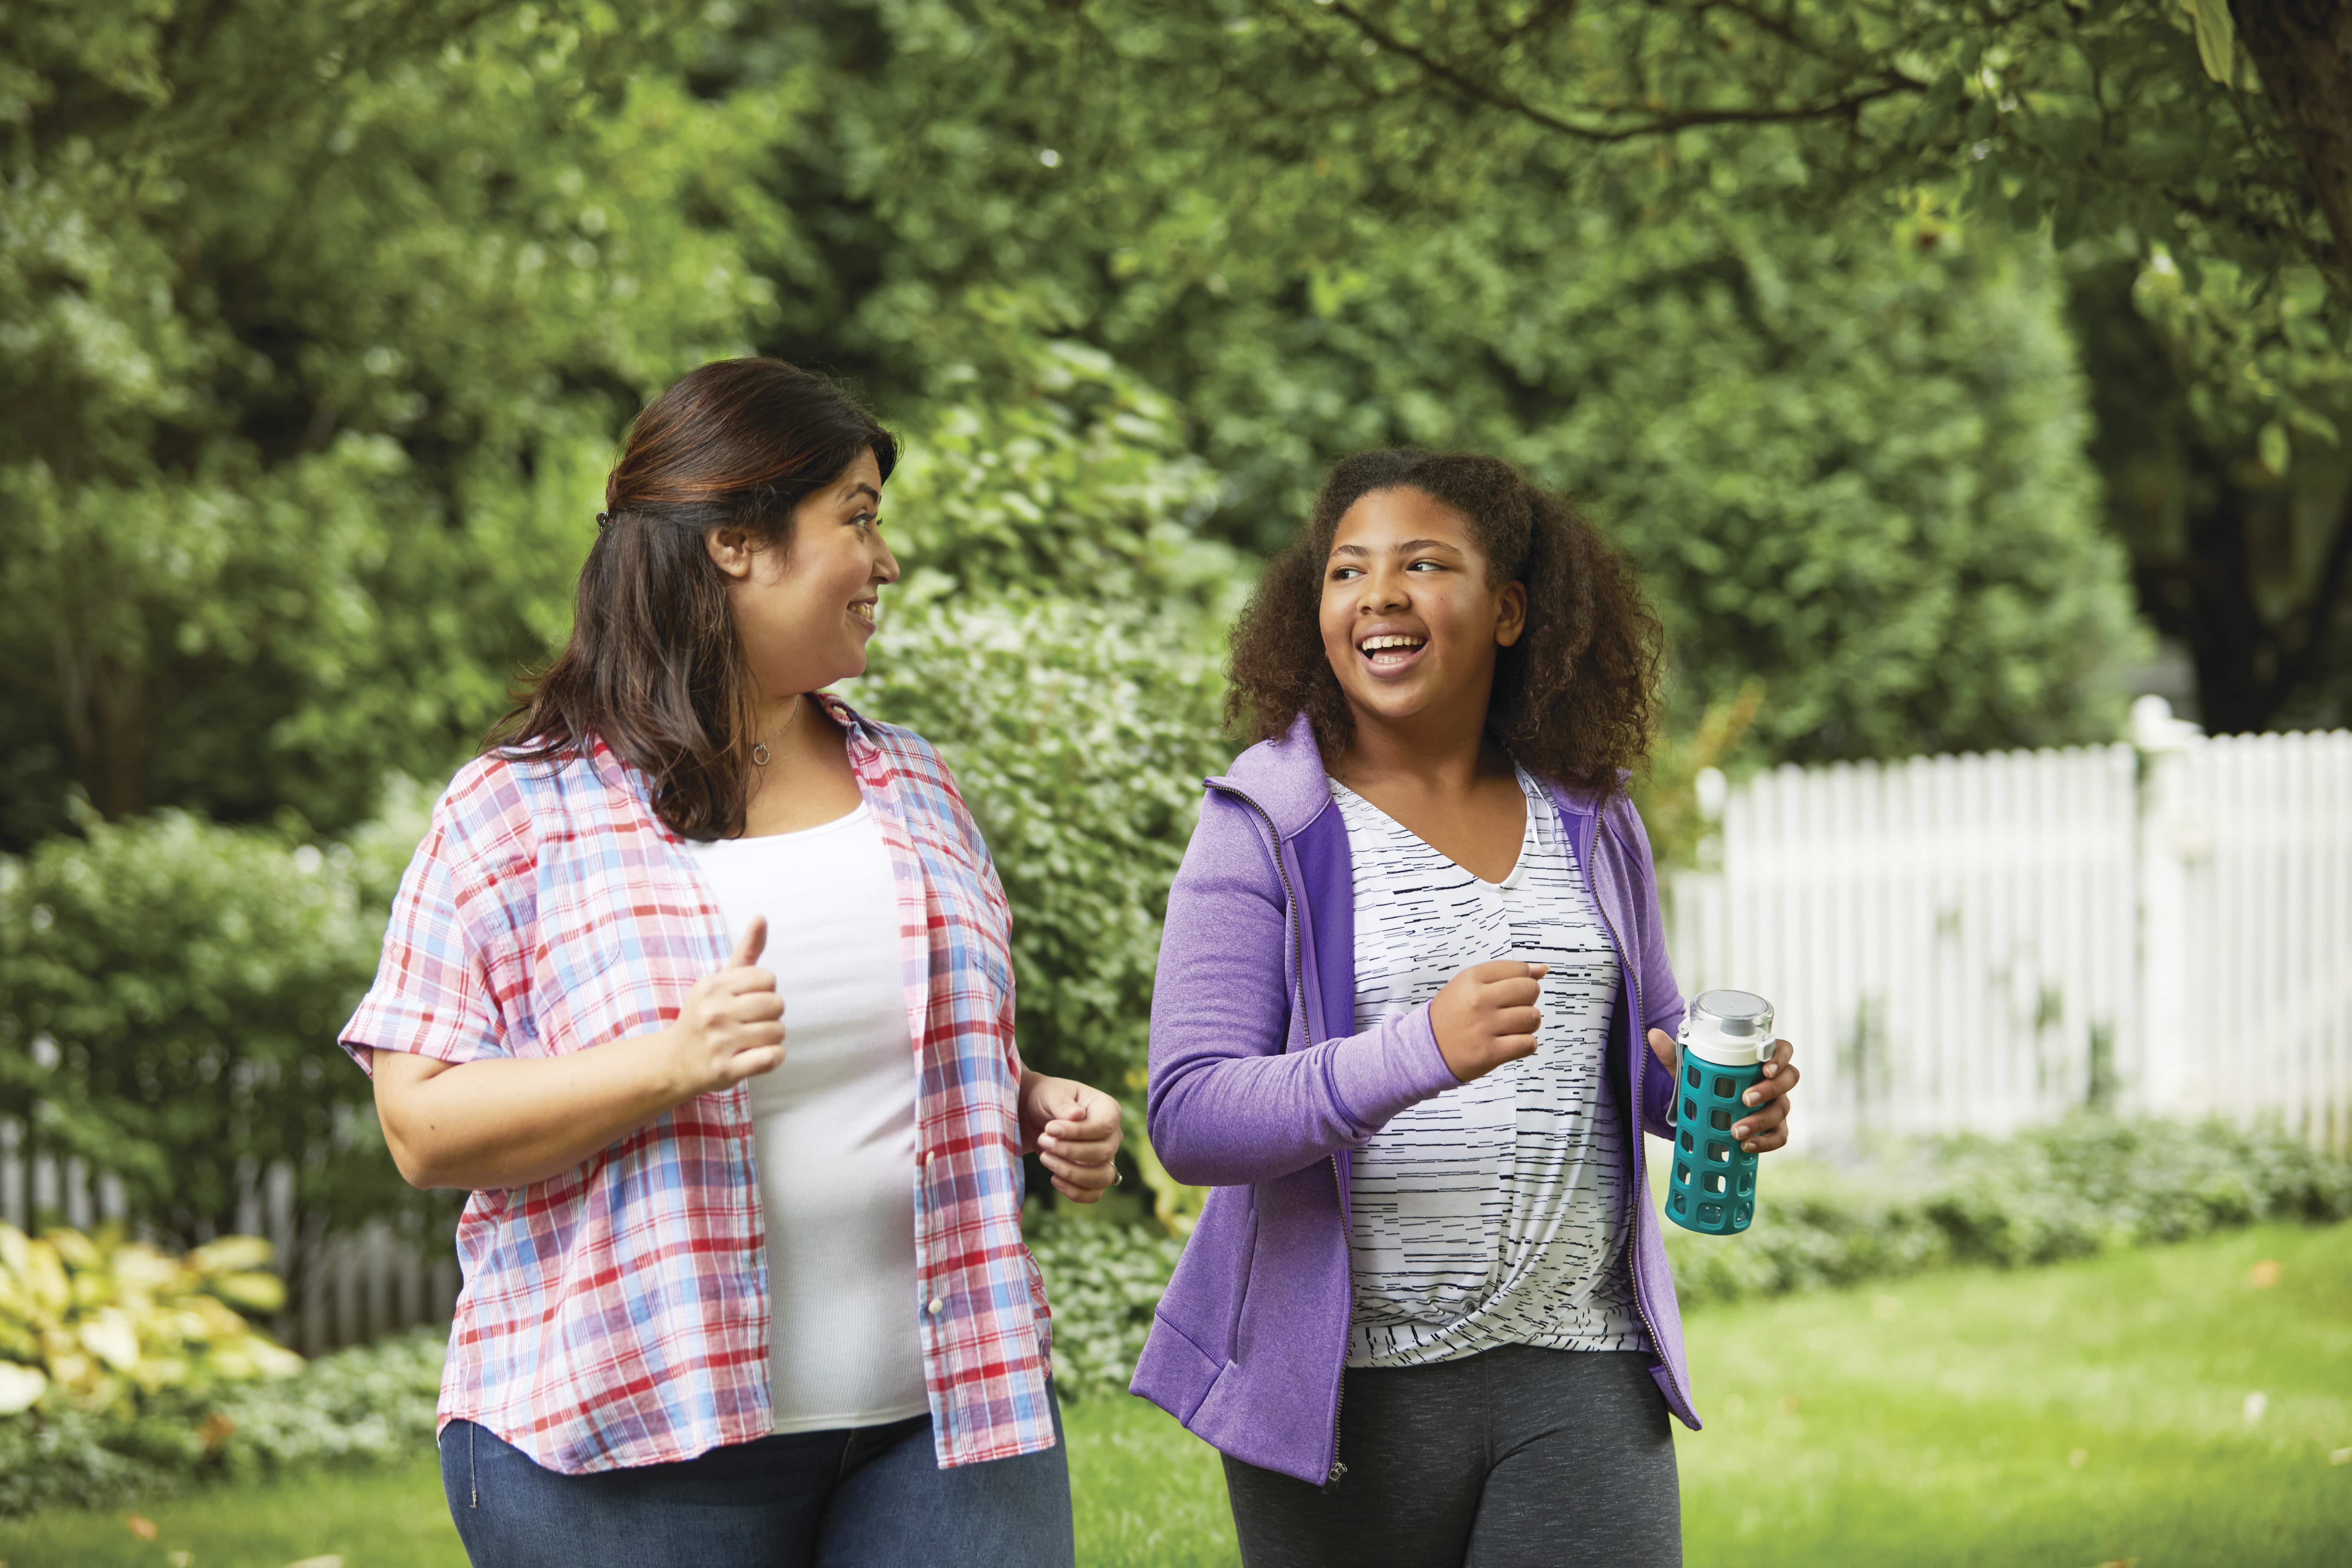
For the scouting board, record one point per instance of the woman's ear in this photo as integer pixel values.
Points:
(1513, 618)
(730, 551)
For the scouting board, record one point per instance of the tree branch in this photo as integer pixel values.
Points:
(2303, 51)
(1890, 82)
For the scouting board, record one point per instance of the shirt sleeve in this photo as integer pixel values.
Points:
(434, 993)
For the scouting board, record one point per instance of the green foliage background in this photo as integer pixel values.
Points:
(319, 326)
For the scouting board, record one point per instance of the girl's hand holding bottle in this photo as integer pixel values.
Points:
(1766, 1128)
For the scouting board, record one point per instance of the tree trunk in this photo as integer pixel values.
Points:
(2302, 49)
(104, 709)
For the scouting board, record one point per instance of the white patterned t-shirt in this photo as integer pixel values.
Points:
(1490, 1214)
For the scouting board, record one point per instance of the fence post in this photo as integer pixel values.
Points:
(2165, 1068)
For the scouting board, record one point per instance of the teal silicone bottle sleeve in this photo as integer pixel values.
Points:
(1712, 1189)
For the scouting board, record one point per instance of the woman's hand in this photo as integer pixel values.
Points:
(1074, 1131)
(1486, 1016)
(509, 1122)
(732, 1025)
(1767, 1127)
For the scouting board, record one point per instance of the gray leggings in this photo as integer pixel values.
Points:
(1513, 1456)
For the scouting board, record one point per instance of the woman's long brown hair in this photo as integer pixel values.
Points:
(652, 666)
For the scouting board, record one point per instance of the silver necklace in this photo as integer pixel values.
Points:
(761, 755)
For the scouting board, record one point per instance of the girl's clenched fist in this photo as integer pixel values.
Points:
(1486, 1016)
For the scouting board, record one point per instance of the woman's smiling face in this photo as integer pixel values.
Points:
(802, 614)
(1410, 620)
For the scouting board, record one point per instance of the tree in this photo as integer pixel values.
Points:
(2210, 144)
(320, 323)
(1849, 468)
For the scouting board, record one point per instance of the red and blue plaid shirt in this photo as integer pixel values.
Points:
(618, 1314)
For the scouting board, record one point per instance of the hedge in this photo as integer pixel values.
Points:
(369, 1404)
(2077, 1188)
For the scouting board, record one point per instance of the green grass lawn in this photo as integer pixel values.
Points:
(2092, 1412)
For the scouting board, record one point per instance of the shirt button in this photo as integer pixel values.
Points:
(938, 1306)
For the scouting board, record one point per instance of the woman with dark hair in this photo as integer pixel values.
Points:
(1413, 1012)
(702, 985)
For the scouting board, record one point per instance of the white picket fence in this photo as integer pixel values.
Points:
(1980, 942)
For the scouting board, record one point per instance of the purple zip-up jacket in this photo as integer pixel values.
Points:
(1256, 1093)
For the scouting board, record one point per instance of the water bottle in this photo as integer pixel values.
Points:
(1726, 1038)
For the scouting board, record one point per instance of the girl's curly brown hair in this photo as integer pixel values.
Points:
(1574, 697)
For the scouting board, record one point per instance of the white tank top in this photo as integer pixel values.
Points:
(833, 1128)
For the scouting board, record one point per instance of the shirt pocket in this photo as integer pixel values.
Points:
(616, 957)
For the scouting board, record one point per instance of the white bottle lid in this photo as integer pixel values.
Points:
(1729, 1028)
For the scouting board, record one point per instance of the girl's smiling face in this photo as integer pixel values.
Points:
(1410, 620)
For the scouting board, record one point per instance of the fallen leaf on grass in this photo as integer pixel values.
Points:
(2265, 1274)
(2078, 1459)
(2339, 1456)
(2256, 1402)
(1789, 1403)
(139, 1525)
(181, 1559)
(329, 1561)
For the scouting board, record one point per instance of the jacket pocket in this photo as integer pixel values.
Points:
(1203, 1299)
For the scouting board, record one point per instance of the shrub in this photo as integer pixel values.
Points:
(167, 990)
(125, 1372)
(1103, 1278)
(1079, 735)
(371, 1405)
(100, 1324)
(2050, 1193)
(1053, 470)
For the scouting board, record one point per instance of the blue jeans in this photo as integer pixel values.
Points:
(861, 1497)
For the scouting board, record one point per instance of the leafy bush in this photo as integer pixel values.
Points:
(1103, 1278)
(2097, 1182)
(101, 1323)
(371, 1405)
(1080, 736)
(125, 1372)
(1055, 470)
(2064, 1191)
(166, 990)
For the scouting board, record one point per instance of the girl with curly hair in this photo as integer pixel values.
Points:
(1414, 1014)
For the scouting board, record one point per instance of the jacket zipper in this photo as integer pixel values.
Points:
(1307, 1029)
(1640, 1044)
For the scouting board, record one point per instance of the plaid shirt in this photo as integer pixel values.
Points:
(617, 1314)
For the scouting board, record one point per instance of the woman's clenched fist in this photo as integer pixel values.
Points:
(1486, 1016)
(732, 1026)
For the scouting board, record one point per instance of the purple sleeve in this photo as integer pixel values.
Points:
(1662, 998)
(1227, 1104)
